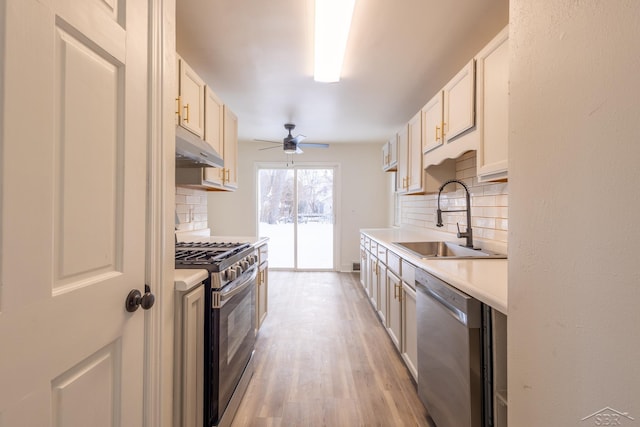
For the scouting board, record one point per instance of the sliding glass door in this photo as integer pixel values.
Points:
(296, 212)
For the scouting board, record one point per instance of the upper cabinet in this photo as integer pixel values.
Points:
(409, 176)
(449, 119)
(493, 108)
(191, 94)
(432, 135)
(213, 123)
(459, 111)
(202, 112)
(390, 155)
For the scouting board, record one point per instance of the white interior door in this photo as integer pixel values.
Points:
(73, 170)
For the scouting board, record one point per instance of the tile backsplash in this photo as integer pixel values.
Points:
(191, 208)
(489, 205)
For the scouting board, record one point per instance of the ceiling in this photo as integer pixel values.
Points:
(257, 55)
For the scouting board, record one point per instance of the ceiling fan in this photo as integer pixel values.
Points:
(291, 144)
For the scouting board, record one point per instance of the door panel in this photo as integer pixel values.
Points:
(73, 180)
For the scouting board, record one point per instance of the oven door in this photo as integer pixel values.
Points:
(233, 338)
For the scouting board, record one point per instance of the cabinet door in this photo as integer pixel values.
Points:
(213, 123)
(394, 321)
(402, 184)
(364, 270)
(432, 123)
(390, 155)
(262, 284)
(492, 65)
(459, 110)
(372, 289)
(230, 149)
(191, 90)
(192, 357)
(409, 330)
(214, 134)
(382, 296)
(415, 154)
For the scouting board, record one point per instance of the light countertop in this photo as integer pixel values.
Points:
(483, 279)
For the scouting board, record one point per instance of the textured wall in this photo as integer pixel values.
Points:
(574, 282)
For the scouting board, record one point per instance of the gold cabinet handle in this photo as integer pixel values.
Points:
(395, 291)
(437, 136)
(186, 107)
(178, 109)
(444, 126)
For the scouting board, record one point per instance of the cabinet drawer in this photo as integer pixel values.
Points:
(408, 273)
(382, 254)
(393, 262)
(374, 247)
(263, 253)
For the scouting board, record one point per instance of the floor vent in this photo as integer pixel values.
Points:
(356, 266)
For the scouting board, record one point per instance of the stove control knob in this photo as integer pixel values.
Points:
(244, 264)
(252, 259)
(238, 270)
(230, 274)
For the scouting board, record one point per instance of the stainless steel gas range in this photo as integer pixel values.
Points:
(229, 334)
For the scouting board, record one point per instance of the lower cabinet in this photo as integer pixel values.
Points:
(262, 285)
(382, 293)
(262, 292)
(189, 354)
(394, 296)
(409, 330)
(372, 288)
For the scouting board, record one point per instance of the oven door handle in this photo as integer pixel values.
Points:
(235, 289)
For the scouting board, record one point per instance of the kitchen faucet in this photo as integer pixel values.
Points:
(467, 234)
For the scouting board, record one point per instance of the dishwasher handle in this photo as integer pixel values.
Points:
(464, 308)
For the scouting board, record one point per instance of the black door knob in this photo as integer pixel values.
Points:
(135, 299)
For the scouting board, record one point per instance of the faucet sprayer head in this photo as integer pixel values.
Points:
(439, 218)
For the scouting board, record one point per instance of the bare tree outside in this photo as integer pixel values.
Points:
(297, 217)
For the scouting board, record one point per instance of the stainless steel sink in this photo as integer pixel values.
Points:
(447, 250)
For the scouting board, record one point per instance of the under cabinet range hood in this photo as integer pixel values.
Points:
(193, 152)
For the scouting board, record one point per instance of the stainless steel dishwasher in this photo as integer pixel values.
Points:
(452, 362)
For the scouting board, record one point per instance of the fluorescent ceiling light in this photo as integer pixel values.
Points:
(333, 21)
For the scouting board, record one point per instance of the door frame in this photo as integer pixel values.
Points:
(336, 203)
(158, 399)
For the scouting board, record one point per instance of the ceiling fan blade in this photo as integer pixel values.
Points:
(270, 148)
(298, 139)
(313, 145)
(266, 140)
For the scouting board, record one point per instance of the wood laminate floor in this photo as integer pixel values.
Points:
(323, 358)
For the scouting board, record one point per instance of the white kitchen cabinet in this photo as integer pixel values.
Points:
(214, 132)
(492, 74)
(394, 321)
(217, 179)
(459, 106)
(382, 284)
(415, 181)
(390, 155)
(228, 175)
(364, 266)
(372, 288)
(410, 173)
(457, 132)
(402, 175)
(191, 95)
(409, 329)
(432, 135)
(262, 293)
(189, 345)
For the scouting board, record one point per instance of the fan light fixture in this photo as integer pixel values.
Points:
(332, 24)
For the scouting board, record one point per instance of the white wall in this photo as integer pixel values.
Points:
(574, 247)
(364, 193)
